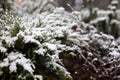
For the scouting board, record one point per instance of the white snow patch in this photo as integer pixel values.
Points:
(2, 49)
(17, 58)
(5, 63)
(13, 67)
(38, 77)
(115, 53)
(51, 46)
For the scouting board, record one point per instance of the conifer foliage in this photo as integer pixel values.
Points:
(59, 45)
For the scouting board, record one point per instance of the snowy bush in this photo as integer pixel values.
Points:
(34, 45)
(31, 46)
(23, 7)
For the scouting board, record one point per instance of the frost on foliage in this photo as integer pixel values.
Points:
(21, 61)
(61, 68)
(105, 43)
(25, 7)
(2, 49)
(14, 59)
(44, 36)
(41, 37)
(56, 29)
(115, 53)
(54, 33)
(113, 5)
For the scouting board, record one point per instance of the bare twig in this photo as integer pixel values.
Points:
(88, 61)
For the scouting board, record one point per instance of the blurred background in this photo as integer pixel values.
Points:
(75, 4)
(78, 4)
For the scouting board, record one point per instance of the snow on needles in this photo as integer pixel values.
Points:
(46, 35)
(15, 59)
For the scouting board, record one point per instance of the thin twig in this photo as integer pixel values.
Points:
(88, 62)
